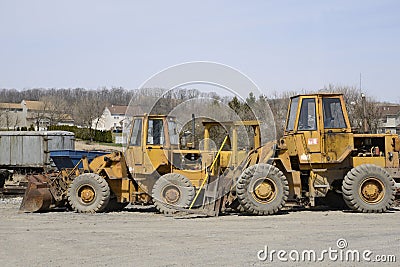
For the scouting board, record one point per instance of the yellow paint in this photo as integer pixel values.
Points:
(379, 161)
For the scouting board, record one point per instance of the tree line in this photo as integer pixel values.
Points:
(85, 106)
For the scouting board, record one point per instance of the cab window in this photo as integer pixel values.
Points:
(155, 132)
(292, 114)
(136, 138)
(333, 113)
(307, 121)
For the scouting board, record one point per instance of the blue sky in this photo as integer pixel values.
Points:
(281, 45)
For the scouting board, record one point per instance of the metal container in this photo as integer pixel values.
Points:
(31, 149)
(64, 159)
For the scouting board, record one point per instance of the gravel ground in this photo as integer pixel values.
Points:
(143, 238)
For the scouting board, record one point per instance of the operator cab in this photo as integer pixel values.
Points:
(161, 131)
(150, 137)
(318, 125)
(303, 110)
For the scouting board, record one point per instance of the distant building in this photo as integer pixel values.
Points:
(35, 114)
(390, 121)
(30, 113)
(12, 116)
(112, 119)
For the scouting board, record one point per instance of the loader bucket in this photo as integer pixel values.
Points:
(37, 195)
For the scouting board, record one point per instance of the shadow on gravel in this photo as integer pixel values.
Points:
(183, 215)
(391, 210)
(279, 213)
(55, 210)
(141, 209)
(313, 209)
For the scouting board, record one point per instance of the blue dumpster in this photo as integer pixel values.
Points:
(65, 159)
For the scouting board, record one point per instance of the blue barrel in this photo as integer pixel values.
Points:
(66, 159)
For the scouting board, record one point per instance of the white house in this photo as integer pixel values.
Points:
(111, 119)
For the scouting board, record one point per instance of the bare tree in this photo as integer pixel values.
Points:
(56, 108)
(17, 121)
(9, 118)
(354, 103)
(89, 109)
(279, 102)
(2, 119)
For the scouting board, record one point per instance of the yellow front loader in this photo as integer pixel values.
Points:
(154, 169)
(320, 160)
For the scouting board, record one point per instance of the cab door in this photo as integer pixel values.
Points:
(309, 136)
(338, 139)
(134, 153)
(157, 144)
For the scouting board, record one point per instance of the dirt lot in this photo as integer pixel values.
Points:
(82, 145)
(142, 238)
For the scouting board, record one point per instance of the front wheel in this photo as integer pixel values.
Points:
(262, 189)
(368, 188)
(89, 193)
(172, 190)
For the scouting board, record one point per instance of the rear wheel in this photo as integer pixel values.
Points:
(262, 189)
(368, 188)
(172, 190)
(89, 193)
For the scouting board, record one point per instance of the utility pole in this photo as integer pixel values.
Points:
(364, 107)
(193, 130)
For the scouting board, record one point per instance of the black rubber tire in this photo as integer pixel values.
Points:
(247, 181)
(177, 181)
(100, 188)
(353, 181)
(236, 206)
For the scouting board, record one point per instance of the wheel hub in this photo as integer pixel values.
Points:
(86, 194)
(264, 190)
(171, 194)
(372, 190)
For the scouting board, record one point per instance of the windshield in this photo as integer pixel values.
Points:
(155, 132)
(333, 113)
(292, 114)
(307, 120)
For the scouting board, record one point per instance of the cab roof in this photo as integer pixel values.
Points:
(153, 116)
(321, 94)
